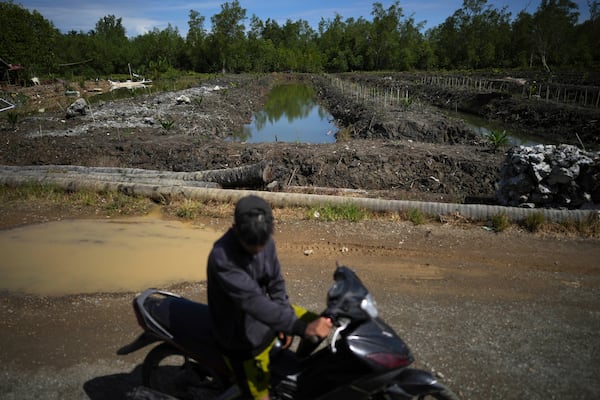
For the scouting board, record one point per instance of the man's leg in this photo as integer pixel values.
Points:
(252, 376)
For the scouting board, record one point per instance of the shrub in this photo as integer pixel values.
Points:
(497, 139)
(406, 102)
(344, 134)
(12, 118)
(167, 124)
(416, 216)
(534, 222)
(499, 222)
(188, 209)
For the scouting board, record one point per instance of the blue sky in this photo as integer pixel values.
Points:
(140, 16)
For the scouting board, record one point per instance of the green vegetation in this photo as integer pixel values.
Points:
(13, 118)
(476, 36)
(416, 216)
(497, 139)
(88, 202)
(167, 124)
(499, 222)
(406, 102)
(198, 100)
(346, 212)
(188, 209)
(111, 203)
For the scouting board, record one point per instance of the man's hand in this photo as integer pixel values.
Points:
(319, 327)
(286, 340)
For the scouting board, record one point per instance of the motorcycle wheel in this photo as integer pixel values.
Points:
(445, 394)
(167, 370)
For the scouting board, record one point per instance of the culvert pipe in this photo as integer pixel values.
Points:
(478, 212)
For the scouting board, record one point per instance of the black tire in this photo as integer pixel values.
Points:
(444, 394)
(167, 370)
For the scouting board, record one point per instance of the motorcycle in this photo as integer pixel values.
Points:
(363, 358)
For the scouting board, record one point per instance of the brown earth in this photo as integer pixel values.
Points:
(497, 316)
(444, 161)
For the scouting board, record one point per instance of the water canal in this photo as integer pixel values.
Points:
(290, 114)
(483, 127)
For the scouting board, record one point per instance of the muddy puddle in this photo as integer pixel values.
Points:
(113, 255)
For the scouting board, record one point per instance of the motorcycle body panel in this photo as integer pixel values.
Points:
(378, 345)
(347, 373)
(415, 381)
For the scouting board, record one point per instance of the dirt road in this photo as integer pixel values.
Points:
(497, 316)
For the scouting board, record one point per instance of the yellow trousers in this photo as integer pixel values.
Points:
(252, 375)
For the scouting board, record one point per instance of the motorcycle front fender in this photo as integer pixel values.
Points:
(417, 382)
(142, 341)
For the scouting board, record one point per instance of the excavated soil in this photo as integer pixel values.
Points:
(444, 161)
(506, 315)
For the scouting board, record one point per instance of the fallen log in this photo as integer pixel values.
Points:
(322, 190)
(163, 194)
(251, 176)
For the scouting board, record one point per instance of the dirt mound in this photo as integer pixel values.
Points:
(553, 122)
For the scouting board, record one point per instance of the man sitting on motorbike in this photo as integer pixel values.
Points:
(248, 301)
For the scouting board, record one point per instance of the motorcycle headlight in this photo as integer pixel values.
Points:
(368, 305)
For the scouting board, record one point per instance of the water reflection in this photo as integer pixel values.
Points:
(290, 114)
(88, 256)
(484, 127)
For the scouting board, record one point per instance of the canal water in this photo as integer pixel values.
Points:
(484, 127)
(290, 114)
(90, 256)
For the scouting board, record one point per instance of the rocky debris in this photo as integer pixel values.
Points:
(550, 176)
(77, 108)
(183, 99)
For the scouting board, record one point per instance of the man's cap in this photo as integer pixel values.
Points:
(252, 205)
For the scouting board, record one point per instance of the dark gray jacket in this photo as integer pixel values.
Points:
(247, 298)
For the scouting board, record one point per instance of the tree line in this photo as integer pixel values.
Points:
(476, 36)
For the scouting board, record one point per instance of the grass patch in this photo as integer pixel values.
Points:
(499, 222)
(534, 222)
(190, 209)
(416, 216)
(28, 191)
(589, 227)
(52, 196)
(13, 118)
(47, 199)
(347, 212)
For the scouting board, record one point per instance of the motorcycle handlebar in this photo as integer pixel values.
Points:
(313, 339)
